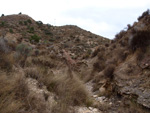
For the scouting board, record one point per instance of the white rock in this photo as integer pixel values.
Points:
(102, 90)
(95, 110)
(90, 108)
(95, 96)
(110, 103)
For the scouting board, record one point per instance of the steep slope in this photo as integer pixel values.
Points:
(121, 69)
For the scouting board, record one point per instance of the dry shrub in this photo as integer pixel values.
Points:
(139, 55)
(146, 13)
(108, 71)
(140, 40)
(13, 92)
(44, 61)
(98, 66)
(119, 35)
(100, 56)
(97, 50)
(106, 45)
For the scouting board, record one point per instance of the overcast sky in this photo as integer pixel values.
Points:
(102, 17)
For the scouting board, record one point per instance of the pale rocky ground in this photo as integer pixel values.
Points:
(39, 93)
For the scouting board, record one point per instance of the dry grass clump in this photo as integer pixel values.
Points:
(7, 62)
(32, 73)
(44, 61)
(6, 58)
(70, 92)
(13, 92)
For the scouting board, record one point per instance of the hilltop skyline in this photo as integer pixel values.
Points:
(105, 18)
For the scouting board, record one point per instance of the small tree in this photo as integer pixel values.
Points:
(2, 15)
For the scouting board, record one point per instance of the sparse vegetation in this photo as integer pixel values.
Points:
(34, 77)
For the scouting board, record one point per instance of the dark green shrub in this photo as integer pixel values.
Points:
(35, 38)
(2, 24)
(47, 32)
(11, 31)
(2, 15)
(20, 22)
(39, 23)
(29, 21)
(25, 23)
(31, 29)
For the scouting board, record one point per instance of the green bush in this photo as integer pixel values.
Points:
(35, 38)
(25, 23)
(11, 31)
(29, 21)
(20, 22)
(31, 29)
(2, 24)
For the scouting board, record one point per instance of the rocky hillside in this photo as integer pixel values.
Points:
(121, 70)
(51, 69)
(22, 28)
(37, 62)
